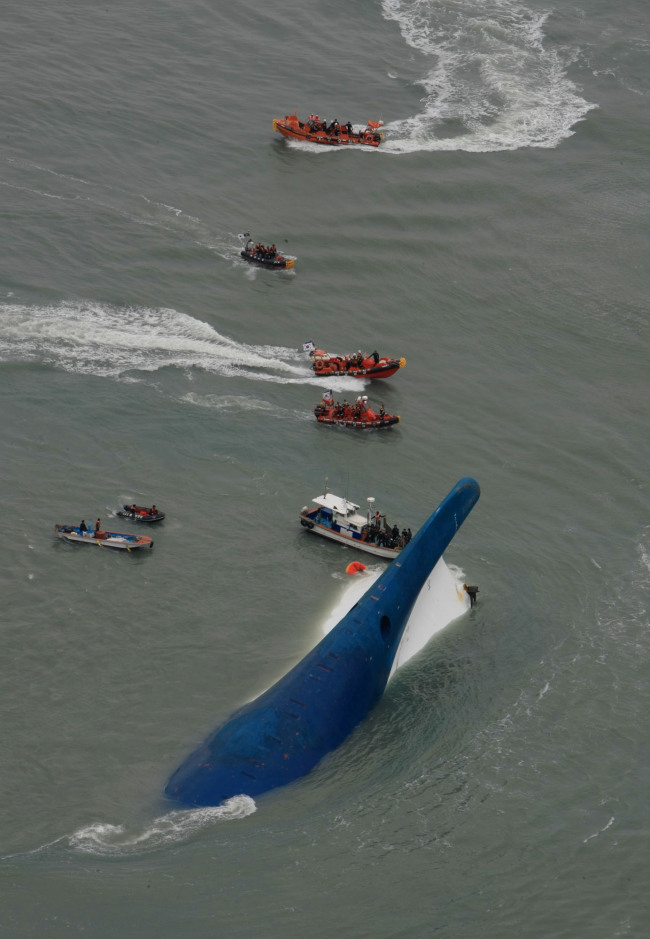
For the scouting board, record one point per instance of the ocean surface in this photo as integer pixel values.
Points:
(499, 241)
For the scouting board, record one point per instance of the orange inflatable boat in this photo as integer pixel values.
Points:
(316, 130)
(357, 366)
(359, 416)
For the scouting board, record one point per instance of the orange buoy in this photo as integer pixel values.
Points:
(354, 567)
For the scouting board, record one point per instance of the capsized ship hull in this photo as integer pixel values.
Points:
(281, 735)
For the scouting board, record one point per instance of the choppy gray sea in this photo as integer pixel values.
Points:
(498, 240)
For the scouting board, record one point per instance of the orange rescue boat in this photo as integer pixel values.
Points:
(358, 365)
(357, 416)
(316, 130)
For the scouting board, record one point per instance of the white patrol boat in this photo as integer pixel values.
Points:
(340, 520)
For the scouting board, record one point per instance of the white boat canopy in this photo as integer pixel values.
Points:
(336, 503)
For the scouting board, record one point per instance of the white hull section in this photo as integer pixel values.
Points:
(441, 600)
(353, 542)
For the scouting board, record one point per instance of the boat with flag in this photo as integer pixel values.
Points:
(357, 365)
(317, 130)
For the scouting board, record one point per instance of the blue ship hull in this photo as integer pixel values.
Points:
(285, 732)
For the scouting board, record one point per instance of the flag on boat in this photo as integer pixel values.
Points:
(245, 234)
(308, 346)
(327, 396)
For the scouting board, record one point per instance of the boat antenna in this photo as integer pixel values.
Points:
(370, 500)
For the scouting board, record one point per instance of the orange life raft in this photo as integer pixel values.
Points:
(315, 130)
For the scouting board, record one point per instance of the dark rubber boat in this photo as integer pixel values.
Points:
(141, 513)
(279, 262)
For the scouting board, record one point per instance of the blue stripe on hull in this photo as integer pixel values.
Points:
(285, 732)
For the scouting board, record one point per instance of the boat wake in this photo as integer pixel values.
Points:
(491, 85)
(104, 839)
(45, 184)
(124, 343)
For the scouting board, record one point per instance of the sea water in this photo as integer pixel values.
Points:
(498, 240)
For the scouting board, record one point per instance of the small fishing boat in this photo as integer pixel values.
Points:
(264, 255)
(141, 513)
(358, 365)
(357, 416)
(340, 520)
(316, 130)
(123, 541)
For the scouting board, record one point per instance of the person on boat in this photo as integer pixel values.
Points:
(375, 357)
(365, 413)
(97, 527)
(348, 127)
(83, 528)
(249, 245)
(153, 510)
(382, 412)
(273, 251)
(471, 593)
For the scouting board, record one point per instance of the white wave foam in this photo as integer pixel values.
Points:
(493, 85)
(112, 342)
(321, 149)
(229, 402)
(600, 830)
(104, 839)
